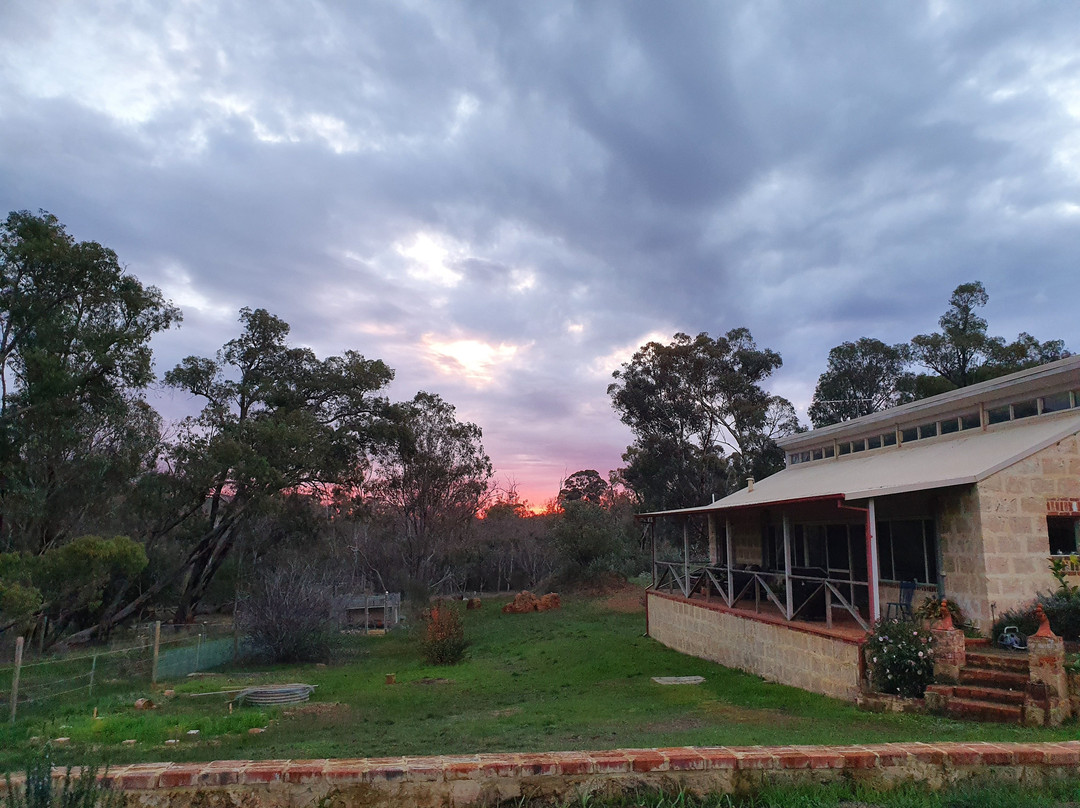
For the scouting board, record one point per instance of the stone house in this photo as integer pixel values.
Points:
(966, 496)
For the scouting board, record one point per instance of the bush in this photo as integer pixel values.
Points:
(898, 656)
(1062, 610)
(444, 635)
(84, 791)
(288, 616)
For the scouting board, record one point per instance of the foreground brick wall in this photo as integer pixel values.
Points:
(476, 780)
(774, 650)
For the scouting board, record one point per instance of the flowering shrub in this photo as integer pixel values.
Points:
(899, 658)
(444, 635)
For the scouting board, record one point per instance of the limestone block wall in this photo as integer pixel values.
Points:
(962, 562)
(1013, 509)
(776, 651)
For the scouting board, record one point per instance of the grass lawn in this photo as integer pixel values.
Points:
(578, 678)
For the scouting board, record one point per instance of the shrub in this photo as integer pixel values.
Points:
(1062, 610)
(899, 658)
(84, 791)
(287, 617)
(444, 635)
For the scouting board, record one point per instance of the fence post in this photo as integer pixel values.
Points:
(93, 667)
(15, 676)
(198, 650)
(157, 650)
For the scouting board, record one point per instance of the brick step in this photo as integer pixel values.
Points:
(1017, 663)
(986, 677)
(988, 694)
(976, 710)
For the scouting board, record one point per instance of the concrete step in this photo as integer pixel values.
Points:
(977, 710)
(1001, 661)
(989, 694)
(988, 677)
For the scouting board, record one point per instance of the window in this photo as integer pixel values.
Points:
(1064, 533)
(1056, 402)
(845, 448)
(907, 550)
(950, 425)
(874, 442)
(817, 454)
(970, 421)
(858, 445)
(997, 415)
(909, 434)
(888, 439)
(1025, 409)
(830, 451)
(927, 430)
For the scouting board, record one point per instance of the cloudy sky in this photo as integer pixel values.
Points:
(504, 199)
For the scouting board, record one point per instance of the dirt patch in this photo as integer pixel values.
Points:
(318, 709)
(505, 712)
(430, 681)
(627, 598)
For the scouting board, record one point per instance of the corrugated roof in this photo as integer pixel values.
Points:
(963, 458)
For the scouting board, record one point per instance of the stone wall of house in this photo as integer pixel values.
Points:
(962, 560)
(775, 650)
(1013, 509)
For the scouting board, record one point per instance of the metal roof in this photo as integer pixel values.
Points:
(957, 459)
(1064, 374)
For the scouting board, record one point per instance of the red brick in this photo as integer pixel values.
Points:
(385, 770)
(1062, 754)
(825, 759)
(257, 774)
(996, 754)
(131, 778)
(1029, 754)
(925, 753)
(891, 754)
(858, 758)
(754, 758)
(180, 775)
(539, 765)
(305, 771)
(793, 759)
(461, 767)
(959, 754)
(719, 757)
(609, 762)
(424, 769)
(574, 764)
(648, 761)
(499, 765)
(682, 759)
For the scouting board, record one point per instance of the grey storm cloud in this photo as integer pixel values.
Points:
(504, 200)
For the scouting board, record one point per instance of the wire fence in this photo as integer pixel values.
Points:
(79, 678)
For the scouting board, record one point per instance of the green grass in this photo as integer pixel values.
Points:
(578, 678)
(983, 794)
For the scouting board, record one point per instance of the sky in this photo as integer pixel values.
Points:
(504, 199)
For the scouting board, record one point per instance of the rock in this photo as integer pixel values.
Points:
(60, 741)
(171, 741)
(144, 704)
(169, 693)
(549, 602)
(128, 742)
(256, 730)
(192, 732)
(473, 603)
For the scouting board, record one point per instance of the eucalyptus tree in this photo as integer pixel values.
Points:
(700, 416)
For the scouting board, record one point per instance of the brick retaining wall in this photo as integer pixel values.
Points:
(474, 780)
(788, 653)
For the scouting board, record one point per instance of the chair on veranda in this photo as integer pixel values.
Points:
(901, 609)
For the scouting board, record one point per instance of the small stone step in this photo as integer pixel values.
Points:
(989, 694)
(986, 677)
(976, 710)
(1001, 660)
